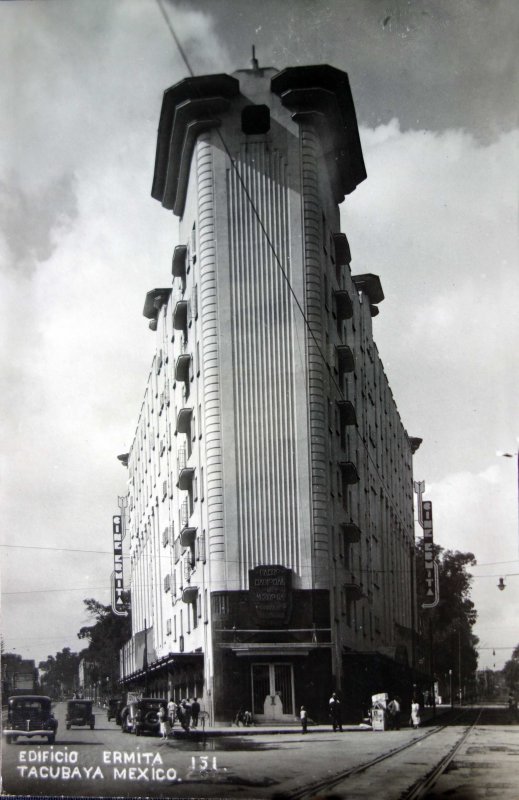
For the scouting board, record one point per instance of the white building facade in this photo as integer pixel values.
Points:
(270, 477)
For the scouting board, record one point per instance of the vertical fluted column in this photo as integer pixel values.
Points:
(317, 374)
(211, 357)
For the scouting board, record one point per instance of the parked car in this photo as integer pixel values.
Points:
(114, 708)
(30, 715)
(79, 712)
(142, 716)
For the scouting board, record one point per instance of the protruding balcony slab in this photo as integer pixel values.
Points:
(180, 315)
(185, 478)
(353, 591)
(155, 299)
(189, 594)
(345, 358)
(347, 412)
(351, 532)
(187, 536)
(342, 249)
(349, 472)
(182, 367)
(369, 285)
(343, 304)
(178, 266)
(184, 418)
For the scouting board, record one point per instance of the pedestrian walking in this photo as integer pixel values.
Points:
(415, 714)
(195, 711)
(172, 712)
(304, 719)
(335, 712)
(187, 712)
(184, 715)
(393, 712)
(163, 722)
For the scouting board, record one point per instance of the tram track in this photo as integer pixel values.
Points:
(419, 788)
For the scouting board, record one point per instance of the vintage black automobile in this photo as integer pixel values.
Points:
(142, 716)
(79, 712)
(115, 706)
(30, 715)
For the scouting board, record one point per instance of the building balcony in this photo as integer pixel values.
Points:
(370, 286)
(184, 417)
(190, 594)
(185, 473)
(353, 590)
(178, 267)
(343, 304)
(349, 472)
(182, 367)
(345, 358)
(351, 532)
(180, 315)
(342, 249)
(188, 536)
(346, 412)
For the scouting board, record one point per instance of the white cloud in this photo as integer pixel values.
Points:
(436, 219)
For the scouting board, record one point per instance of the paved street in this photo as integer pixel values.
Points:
(106, 762)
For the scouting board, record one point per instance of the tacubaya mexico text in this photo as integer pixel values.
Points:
(63, 765)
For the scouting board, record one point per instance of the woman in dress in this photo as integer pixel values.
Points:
(415, 714)
(163, 722)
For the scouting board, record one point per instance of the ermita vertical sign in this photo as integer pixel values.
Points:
(118, 604)
(427, 525)
(425, 519)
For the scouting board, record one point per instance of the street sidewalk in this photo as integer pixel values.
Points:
(295, 727)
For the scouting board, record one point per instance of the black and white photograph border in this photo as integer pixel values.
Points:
(260, 472)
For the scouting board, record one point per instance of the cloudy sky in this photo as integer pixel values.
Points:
(435, 83)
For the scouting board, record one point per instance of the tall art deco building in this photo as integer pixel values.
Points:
(270, 481)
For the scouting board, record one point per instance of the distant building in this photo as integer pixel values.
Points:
(270, 477)
(19, 675)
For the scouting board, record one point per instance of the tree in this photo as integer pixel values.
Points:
(448, 627)
(105, 639)
(59, 674)
(511, 671)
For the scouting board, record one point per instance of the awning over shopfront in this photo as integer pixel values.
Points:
(169, 663)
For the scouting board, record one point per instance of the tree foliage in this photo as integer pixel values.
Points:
(59, 674)
(450, 624)
(511, 671)
(105, 638)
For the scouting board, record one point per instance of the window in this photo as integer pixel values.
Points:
(255, 119)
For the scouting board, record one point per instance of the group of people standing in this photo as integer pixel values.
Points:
(394, 710)
(185, 712)
(392, 713)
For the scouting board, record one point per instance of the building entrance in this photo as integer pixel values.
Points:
(272, 692)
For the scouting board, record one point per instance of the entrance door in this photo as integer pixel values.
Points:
(272, 692)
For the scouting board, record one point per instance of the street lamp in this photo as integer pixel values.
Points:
(450, 689)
